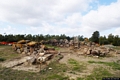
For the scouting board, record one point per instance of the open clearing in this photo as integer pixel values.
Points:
(71, 67)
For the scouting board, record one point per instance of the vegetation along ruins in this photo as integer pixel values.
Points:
(59, 57)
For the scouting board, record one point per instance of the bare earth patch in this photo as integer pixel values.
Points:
(90, 67)
(81, 61)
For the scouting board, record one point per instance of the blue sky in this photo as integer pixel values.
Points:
(71, 17)
(106, 2)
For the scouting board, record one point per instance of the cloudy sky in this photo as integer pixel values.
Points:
(70, 17)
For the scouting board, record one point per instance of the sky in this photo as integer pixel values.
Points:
(55, 17)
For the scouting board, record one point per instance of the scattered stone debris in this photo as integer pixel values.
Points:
(36, 53)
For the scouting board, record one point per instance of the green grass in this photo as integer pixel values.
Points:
(50, 46)
(2, 59)
(7, 53)
(58, 70)
(57, 73)
(98, 74)
(76, 66)
(57, 77)
(57, 67)
(73, 62)
(79, 78)
(114, 65)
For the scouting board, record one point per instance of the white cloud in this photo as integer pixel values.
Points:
(105, 17)
(59, 16)
(8, 29)
(74, 19)
(32, 12)
(117, 31)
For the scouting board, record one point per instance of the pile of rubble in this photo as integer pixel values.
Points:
(90, 48)
(85, 47)
(39, 51)
(96, 51)
(36, 52)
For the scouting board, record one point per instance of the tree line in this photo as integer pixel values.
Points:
(39, 37)
(102, 40)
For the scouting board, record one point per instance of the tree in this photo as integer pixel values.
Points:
(110, 38)
(1, 37)
(80, 38)
(28, 37)
(103, 40)
(95, 37)
(68, 38)
(116, 41)
(62, 36)
(10, 38)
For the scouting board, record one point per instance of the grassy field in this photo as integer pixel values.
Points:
(59, 70)
(6, 53)
(97, 74)
(56, 48)
(114, 65)
(76, 66)
(9, 74)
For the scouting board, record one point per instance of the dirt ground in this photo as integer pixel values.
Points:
(84, 59)
(68, 54)
(21, 64)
